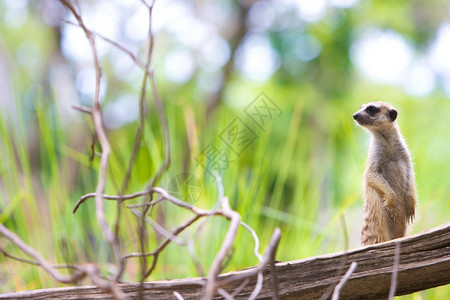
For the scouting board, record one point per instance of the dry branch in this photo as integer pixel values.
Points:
(423, 263)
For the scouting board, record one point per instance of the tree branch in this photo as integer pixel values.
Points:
(425, 263)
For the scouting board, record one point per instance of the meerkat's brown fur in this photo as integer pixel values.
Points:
(389, 190)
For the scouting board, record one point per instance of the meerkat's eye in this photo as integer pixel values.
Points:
(372, 110)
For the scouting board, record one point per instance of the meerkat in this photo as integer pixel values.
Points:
(389, 189)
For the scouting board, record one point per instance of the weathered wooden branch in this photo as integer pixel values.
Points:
(424, 263)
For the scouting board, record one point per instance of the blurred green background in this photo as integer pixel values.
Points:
(313, 62)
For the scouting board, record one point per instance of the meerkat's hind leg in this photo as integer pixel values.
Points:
(374, 228)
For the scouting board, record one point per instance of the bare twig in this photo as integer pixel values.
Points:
(103, 139)
(258, 286)
(165, 195)
(163, 120)
(240, 287)
(142, 106)
(167, 241)
(146, 204)
(395, 271)
(117, 45)
(146, 4)
(133, 57)
(98, 125)
(273, 271)
(23, 260)
(344, 279)
(108, 197)
(199, 213)
(269, 258)
(39, 259)
(165, 129)
(225, 294)
(80, 272)
(32, 262)
(344, 260)
(179, 297)
(270, 250)
(113, 289)
(211, 284)
(83, 109)
(255, 238)
(159, 173)
(162, 231)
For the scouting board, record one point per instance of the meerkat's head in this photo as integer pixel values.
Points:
(376, 116)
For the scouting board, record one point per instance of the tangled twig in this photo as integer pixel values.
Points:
(212, 284)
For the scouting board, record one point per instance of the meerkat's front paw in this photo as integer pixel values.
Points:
(392, 212)
(410, 206)
(410, 212)
(389, 205)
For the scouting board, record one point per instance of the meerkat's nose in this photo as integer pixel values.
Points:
(355, 116)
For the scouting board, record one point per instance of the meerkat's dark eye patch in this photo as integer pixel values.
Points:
(393, 115)
(372, 110)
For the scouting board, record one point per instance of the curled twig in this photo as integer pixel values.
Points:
(268, 256)
(255, 238)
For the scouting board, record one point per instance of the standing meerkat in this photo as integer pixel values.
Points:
(389, 192)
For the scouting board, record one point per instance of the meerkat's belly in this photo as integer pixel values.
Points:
(397, 175)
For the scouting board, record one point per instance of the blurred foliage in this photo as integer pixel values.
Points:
(302, 171)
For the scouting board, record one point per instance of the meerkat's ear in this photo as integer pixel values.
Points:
(393, 115)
